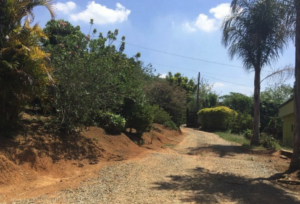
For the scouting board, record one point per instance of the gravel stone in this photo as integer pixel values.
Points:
(202, 169)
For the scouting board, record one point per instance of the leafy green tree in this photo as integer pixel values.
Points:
(271, 98)
(22, 62)
(238, 102)
(65, 35)
(277, 94)
(255, 33)
(171, 98)
(187, 84)
(90, 75)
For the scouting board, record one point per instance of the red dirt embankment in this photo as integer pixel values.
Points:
(39, 163)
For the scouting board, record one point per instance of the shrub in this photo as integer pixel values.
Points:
(160, 115)
(269, 142)
(248, 134)
(274, 127)
(241, 122)
(171, 98)
(218, 118)
(141, 117)
(112, 123)
(171, 125)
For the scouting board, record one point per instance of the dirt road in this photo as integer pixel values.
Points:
(201, 169)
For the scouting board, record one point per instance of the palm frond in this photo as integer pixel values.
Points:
(280, 74)
(255, 31)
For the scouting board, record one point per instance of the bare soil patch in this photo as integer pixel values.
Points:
(39, 163)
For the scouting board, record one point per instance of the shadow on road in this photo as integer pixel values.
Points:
(226, 150)
(211, 187)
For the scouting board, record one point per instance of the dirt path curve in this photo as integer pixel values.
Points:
(201, 169)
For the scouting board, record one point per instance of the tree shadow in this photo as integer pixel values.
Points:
(203, 186)
(227, 150)
(134, 136)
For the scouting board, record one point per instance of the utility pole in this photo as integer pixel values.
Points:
(198, 87)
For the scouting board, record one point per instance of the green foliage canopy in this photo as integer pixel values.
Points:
(238, 102)
(90, 75)
(23, 65)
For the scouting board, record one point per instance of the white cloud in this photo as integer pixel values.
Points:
(226, 88)
(187, 27)
(218, 84)
(101, 14)
(206, 24)
(65, 8)
(221, 11)
(162, 76)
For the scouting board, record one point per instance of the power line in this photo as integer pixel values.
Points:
(182, 56)
(228, 81)
(209, 76)
(187, 57)
(198, 71)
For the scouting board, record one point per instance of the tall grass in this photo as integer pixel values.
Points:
(240, 139)
(234, 138)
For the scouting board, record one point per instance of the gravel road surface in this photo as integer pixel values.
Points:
(203, 168)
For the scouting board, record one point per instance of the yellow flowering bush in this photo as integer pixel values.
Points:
(218, 118)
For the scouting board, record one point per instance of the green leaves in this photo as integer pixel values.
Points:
(255, 32)
(23, 65)
(90, 74)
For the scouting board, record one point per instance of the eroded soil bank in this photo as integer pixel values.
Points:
(42, 164)
(203, 168)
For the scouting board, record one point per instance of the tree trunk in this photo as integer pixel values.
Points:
(198, 87)
(255, 138)
(296, 150)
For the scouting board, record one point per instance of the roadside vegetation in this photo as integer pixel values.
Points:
(240, 139)
(67, 80)
(61, 81)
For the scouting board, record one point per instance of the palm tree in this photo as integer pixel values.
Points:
(22, 62)
(255, 33)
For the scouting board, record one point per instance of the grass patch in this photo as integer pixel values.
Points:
(240, 139)
(168, 146)
(234, 138)
(171, 125)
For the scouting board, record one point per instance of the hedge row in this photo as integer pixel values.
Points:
(224, 118)
(218, 118)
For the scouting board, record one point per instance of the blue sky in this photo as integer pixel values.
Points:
(186, 28)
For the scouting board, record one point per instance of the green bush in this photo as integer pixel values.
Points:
(112, 123)
(241, 122)
(140, 118)
(248, 134)
(269, 142)
(171, 125)
(160, 115)
(274, 127)
(218, 118)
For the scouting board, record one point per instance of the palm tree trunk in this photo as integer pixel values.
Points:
(295, 161)
(255, 139)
